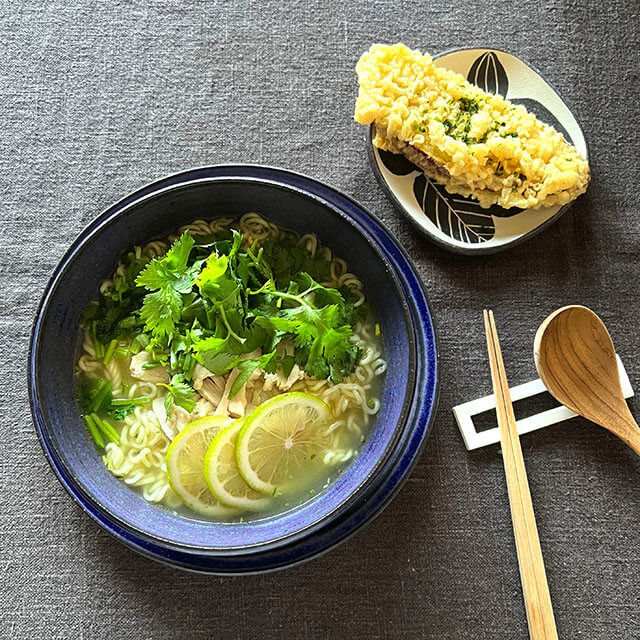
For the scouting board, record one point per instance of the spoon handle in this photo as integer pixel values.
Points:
(537, 600)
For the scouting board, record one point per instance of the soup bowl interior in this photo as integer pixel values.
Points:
(94, 257)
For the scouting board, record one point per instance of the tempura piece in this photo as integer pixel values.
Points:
(474, 143)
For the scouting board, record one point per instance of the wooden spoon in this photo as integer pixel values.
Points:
(576, 360)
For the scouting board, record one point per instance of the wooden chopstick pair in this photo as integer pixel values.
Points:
(537, 600)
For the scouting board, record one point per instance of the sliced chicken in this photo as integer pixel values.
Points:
(212, 389)
(203, 408)
(178, 418)
(278, 380)
(198, 376)
(160, 413)
(176, 421)
(208, 385)
(223, 408)
(216, 388)
(155, 374)
(238, 404)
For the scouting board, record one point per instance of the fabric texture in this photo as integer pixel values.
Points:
(99, 98)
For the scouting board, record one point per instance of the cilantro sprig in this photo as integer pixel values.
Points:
(168, 278)
(179, 393)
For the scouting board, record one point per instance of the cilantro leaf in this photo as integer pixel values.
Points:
(287, 362)
(180, 393)
(155, 275)
(84, 398)
(104, 319)
(216, 354)
(322, 296)
(178, 255)
(161, 310)
(331, 350)
(208, 280)
(321, 335)
(120, 413)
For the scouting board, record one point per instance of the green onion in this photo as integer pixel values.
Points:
(142, 340)
(112, 434)
(99, 348)
(101, 394)
(189, 365)
(93, 430)
(121, 352)
(106, 428)
(109, 353)
(135, 347)
(123, 402)
(150, 365)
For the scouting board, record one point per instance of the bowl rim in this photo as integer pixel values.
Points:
(478, 250)
(281, 178)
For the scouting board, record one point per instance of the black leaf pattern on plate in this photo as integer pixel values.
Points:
(488, 73)
(543, 114)
(396, 163)
(460, 218)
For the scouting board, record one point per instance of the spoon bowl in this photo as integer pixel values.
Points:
(576, 360)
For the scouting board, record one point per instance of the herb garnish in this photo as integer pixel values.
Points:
(213, 300)
(97, 397)
(468, 105)
(458, 123)
(179, 393)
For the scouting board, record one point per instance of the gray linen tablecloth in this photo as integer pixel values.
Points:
(99, 98)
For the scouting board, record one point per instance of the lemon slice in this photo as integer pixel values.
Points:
(280, 438)
(185, 458)
(221, 473)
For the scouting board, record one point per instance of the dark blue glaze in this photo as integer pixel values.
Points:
(408, 396)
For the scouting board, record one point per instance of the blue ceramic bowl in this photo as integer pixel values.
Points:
(408, 396)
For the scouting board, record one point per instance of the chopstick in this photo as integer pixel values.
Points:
(542, 625)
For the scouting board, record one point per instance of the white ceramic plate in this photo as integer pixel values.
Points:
(459, 224)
